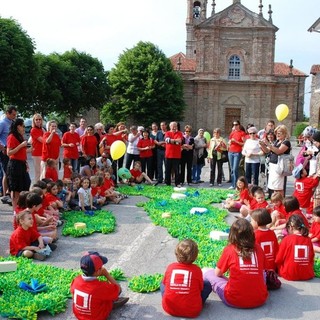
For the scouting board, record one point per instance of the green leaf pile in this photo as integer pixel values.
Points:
(145, 283)
(102, 221)
(18, 303)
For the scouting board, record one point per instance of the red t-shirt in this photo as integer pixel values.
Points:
(13, 142)
(142, 143)
(282, 210)
(259, 205)
(51, 149)
(51, 173)
(246, 287)
(110, 139)
(49, 199)
(92, 299)
(94, 191)
(135, 173)
(71, 152)
(244, 195)
(315, 230)
(295, 258)
(298, 212)
(36, 133)
(183, 286)
(89, 145)
(67, 172)
(107, 184)
(21, 238)
(239, 136)
(268, 242)
(173, 151)
(303, 190)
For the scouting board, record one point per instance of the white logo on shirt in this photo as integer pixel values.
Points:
(82, 301)
(301, 253)
(180, 279)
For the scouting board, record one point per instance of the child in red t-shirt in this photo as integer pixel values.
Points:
(51, 170)
(304, 187)
(278, 211)
(109, 191)
(234, 205)
(96, 191)
(315, 229)
(21, 205)
(25, 241)
(265, 237)
(183, 289)
(295, 259)
(258, 203)
(67, 170)
(137, 175)
(245, 261)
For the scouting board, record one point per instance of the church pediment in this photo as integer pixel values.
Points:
(233, 101)
(237, 16)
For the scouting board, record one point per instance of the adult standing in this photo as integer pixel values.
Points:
(236, 142)
(5, 125)
(121, 132)
(160, 148)
(187, 155)
(173, 139)
(316, 195)
(133, 154)
(99, 133)
(71, 143)
(81, 131)
(153, 134)
(145, 146)
(50, 146)
(262, 134)
(18, 176)
(252, 152)
(89, 143)
(36, 134)
(276, 181)
(199, 155)
(216, 147)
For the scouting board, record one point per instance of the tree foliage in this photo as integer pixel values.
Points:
(145, 88)
(17, 65)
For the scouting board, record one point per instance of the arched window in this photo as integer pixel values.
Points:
(196, 10)
(234, 68)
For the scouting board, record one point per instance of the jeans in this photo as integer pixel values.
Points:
(160, 162)
(196, 172)
(252, 169)
(234, 160)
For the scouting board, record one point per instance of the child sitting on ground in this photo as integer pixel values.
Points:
(25, 241)
(259, 203)
(265, 237)
(278, 211)
(85, 196)
(295, 259)
(96, 191)
(21, 205)
(51, 197)
(234, 205)
(314, 233)
(51, 170)
(103, 295)
(245, 261)
(109, 191)
(63, 194)
(292, 207)
(183, 289)
(137, 175)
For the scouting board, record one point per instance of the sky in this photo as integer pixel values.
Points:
(105, 29)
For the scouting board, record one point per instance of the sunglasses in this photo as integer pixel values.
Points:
(236, 124)
(252, 133)
(187, 131)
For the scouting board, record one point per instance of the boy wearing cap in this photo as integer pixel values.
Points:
(94, 299)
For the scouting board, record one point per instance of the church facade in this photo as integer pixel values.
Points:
(229, 72)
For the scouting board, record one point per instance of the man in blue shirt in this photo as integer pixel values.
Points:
(5, 124)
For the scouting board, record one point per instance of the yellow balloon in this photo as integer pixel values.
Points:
(282, 111)
(117, 149)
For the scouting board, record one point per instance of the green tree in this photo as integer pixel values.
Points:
(145, 88)
(17, 65)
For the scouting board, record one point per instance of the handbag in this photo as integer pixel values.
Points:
(272, 280)
(224, 156)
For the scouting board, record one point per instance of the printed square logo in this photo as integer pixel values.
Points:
(180, 278)
(301, 252)
(267, 247)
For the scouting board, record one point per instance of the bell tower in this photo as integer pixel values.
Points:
(197, 12)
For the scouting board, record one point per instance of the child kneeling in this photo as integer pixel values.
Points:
(183, 289)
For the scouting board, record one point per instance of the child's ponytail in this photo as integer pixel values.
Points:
(297, 223)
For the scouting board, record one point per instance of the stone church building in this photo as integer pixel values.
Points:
(229, 72)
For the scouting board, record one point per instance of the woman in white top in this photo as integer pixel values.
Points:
(133, 154)
(252, 152)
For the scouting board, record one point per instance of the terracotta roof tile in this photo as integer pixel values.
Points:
(315, 69)
(185, 63)
(283, 69)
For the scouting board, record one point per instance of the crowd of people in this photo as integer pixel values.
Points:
(89, 178)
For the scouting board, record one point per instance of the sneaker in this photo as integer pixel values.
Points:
(52, 246)
(178, 185)
(211, 185)
(38, 256)
(219, 185)
(120, 302)
(59, 223)
(231, 188)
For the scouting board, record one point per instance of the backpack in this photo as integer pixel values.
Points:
(272, 280)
